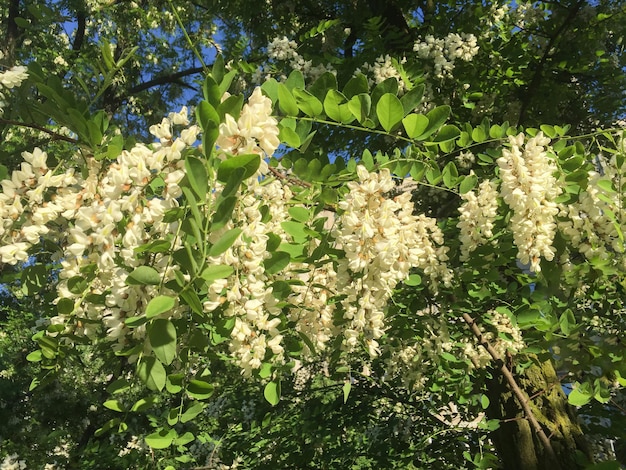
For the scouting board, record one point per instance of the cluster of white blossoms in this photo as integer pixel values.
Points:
(594, 222)
(12, 462)
(502, 335)
(247, 294)
(286, 50)
(478, 214)
(282, 49)
(445, 51)
(382, 69)
(98, 218)
(9, 79)
(103, 217)
(529, 188)
(382, 241)
(256, 131)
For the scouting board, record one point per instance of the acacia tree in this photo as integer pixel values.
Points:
(420, 304)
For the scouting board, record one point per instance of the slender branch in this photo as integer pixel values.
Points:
(290, 178)
(163, 79)
(55, 135)
(517, 391)
(79, 37)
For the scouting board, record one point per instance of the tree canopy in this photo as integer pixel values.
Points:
(362, 234)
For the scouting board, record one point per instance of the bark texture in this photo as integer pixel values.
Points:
(517, 444)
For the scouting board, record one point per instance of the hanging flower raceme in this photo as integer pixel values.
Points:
(478, 213)
(529, 188)
(382, 240)
(256, 130)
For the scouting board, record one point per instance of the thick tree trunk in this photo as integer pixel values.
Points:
(516, 443)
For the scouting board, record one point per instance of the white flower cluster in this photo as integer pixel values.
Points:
(282, 49)
(285, 50)
(381, 70)
(247, 294)
(594, 222)
(445, 51)
(12, 462)
(135, 444)
(256, 131)
(529, 188)
(9, 79)
(478, 214)
(382, 240)
(99, 218)
(503, 336)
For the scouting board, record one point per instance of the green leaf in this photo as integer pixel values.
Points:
(211, 91)
(199, 389)
(389, 111)
(447, 133)
(144, 403)
(197, 176)
(347, 386)
(34, 356)
(218, 69)
(216, 271)
(327, 81)
(360, 106)
(308, 103)
(289, 137)
(144, 275)
(223, 212)
(249, 162)
(297, 230)
(295, 80)
(356, 85)
(114, 405)
(152, 373)
(118, 386)
(606, 185)
(161, 439)
(190, 413)
(231, 105)
(191, 298)
(162, 334)
(271, 392)
(415, 125)
(158, 305)
(336, 107)
(484, 401)
(412, 99)
(468, 183)
(436, 118)
(225, 242)
(478, 134)
(578, 397)
(301, 214)
(414, 280)
(286, 101)
(276, 262)
(209, 120)
(450, 175)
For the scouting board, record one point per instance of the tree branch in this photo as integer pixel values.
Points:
(163, 79)
(517, 391)
(79, 37)
(54, 135)
(533, 86)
